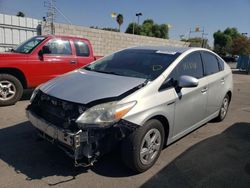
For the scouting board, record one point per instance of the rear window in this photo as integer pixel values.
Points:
(82, 49)
(211, 65)
(221, 64)
(148, 64)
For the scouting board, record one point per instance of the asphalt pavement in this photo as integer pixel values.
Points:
(215, 155)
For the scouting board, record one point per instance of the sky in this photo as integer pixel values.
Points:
(182, 15)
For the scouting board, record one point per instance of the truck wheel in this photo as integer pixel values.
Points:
(11, 90)
(141, 149)
(223, 109)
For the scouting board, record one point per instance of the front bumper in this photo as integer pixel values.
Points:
(89, 143)
(47, 130)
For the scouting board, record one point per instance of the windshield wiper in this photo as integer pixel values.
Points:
(87, 68)
(100, 71)
(106, 72)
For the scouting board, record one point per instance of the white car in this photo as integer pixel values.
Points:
(142, 98)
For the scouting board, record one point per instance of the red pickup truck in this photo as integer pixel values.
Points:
(38, 60)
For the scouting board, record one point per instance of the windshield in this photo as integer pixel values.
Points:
(27, 46)
(147, 64)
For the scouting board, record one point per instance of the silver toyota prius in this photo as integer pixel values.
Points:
(139, 98)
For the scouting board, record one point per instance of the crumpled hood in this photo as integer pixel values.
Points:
(82, 86)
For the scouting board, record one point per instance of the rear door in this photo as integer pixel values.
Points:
(84, 55)
(190, 105)
(214, 73)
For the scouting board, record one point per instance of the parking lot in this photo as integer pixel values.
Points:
(215, 155)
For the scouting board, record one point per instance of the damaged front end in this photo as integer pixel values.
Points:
(55, 120)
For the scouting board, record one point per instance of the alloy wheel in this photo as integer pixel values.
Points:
(150, 146)
(224, 108)
(7, 90)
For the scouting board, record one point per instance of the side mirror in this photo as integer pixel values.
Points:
(187, 81)
(44, 50)
(168, 83)
(40, 53)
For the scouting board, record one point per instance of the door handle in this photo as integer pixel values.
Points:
(222, 81)
(72, 62)
(171, 103)
(204, 90)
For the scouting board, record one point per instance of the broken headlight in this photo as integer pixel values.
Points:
(104, 114)
(34, 93)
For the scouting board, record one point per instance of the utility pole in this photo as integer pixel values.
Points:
(50, 19)
(138, 22)
(138, 16)
(133, 26)
(51, 15)
(198, 30)
(204, 40)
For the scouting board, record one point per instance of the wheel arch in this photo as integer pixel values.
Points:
(229, 93)
(17, 73)
(165, 124)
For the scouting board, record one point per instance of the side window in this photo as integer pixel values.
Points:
(191, 65)
(210, 63)
(82, 49)
(221, 64)
(58, 47)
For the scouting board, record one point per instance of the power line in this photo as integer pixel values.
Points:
(51, 15)
(67, 19)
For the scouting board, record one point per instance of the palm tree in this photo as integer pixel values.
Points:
(119, 19)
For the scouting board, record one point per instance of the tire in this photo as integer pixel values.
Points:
(223, 109)
(11, 89)
(135, 143)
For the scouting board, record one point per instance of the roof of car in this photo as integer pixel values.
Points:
(177, 49)
(65, 37)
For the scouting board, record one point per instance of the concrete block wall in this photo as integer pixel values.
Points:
(14, 30)
(106, 42)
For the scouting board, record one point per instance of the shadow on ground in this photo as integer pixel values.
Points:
(239, 72)
(27, 94)
(219, 161)
(23, 150)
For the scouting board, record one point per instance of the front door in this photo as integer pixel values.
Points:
(58, 58)
(190, 104)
